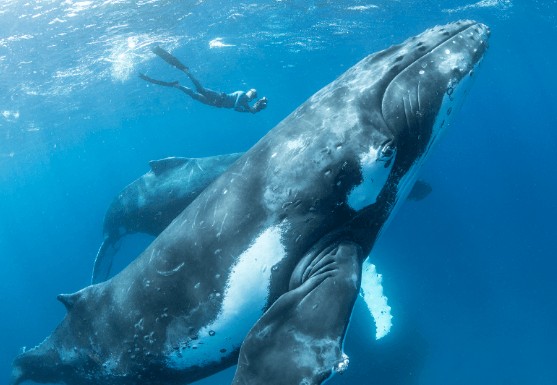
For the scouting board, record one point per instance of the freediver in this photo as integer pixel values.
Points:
(238, 100)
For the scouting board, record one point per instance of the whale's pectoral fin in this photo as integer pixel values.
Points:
(163, 165)
(103, 260)
(299, 339)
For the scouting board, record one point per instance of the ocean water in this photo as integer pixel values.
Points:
(469, 270)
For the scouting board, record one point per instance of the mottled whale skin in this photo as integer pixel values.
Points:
(151, 202)
(262, 269)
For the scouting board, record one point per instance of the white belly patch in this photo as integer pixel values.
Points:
(245, 297)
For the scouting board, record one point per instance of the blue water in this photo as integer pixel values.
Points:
(469, 271)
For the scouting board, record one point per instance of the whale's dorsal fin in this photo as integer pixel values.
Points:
(68, 299)
(163, 165)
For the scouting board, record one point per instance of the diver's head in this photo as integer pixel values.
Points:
(251, 94)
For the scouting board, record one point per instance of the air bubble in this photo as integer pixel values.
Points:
(342, 365)
(211, 333)
(422, 72)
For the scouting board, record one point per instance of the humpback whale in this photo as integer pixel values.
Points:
(151, 202)
(262, 269)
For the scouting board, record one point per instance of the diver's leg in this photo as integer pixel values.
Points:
(173, 61)
(191, 93)
(159, 82)
(170, 59)
(196, 83)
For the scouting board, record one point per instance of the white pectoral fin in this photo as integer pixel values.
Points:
(376, 301)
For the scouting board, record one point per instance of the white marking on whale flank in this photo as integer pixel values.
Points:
(238, 311)
(375, 172)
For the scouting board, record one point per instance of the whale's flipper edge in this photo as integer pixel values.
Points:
(305, 328)
(103, 260)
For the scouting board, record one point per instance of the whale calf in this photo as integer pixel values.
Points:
(262, 269)
(152, 201)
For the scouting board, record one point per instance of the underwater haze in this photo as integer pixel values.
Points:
(469, 270)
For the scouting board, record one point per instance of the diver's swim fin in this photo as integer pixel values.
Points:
(167, 57)
(159, 82)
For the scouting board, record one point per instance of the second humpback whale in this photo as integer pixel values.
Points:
(151, 202)
(262, 269)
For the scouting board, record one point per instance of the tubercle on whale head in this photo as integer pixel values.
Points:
(421, 83)
(431, 68)
(435, 87)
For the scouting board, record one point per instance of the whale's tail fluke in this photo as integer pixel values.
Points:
(16, 377)
(104, 259)
(37, 363)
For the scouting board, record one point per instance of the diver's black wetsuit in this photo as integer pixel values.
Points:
(238, 100)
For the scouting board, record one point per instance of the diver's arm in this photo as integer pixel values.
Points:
(245, 107)
(259, 105)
